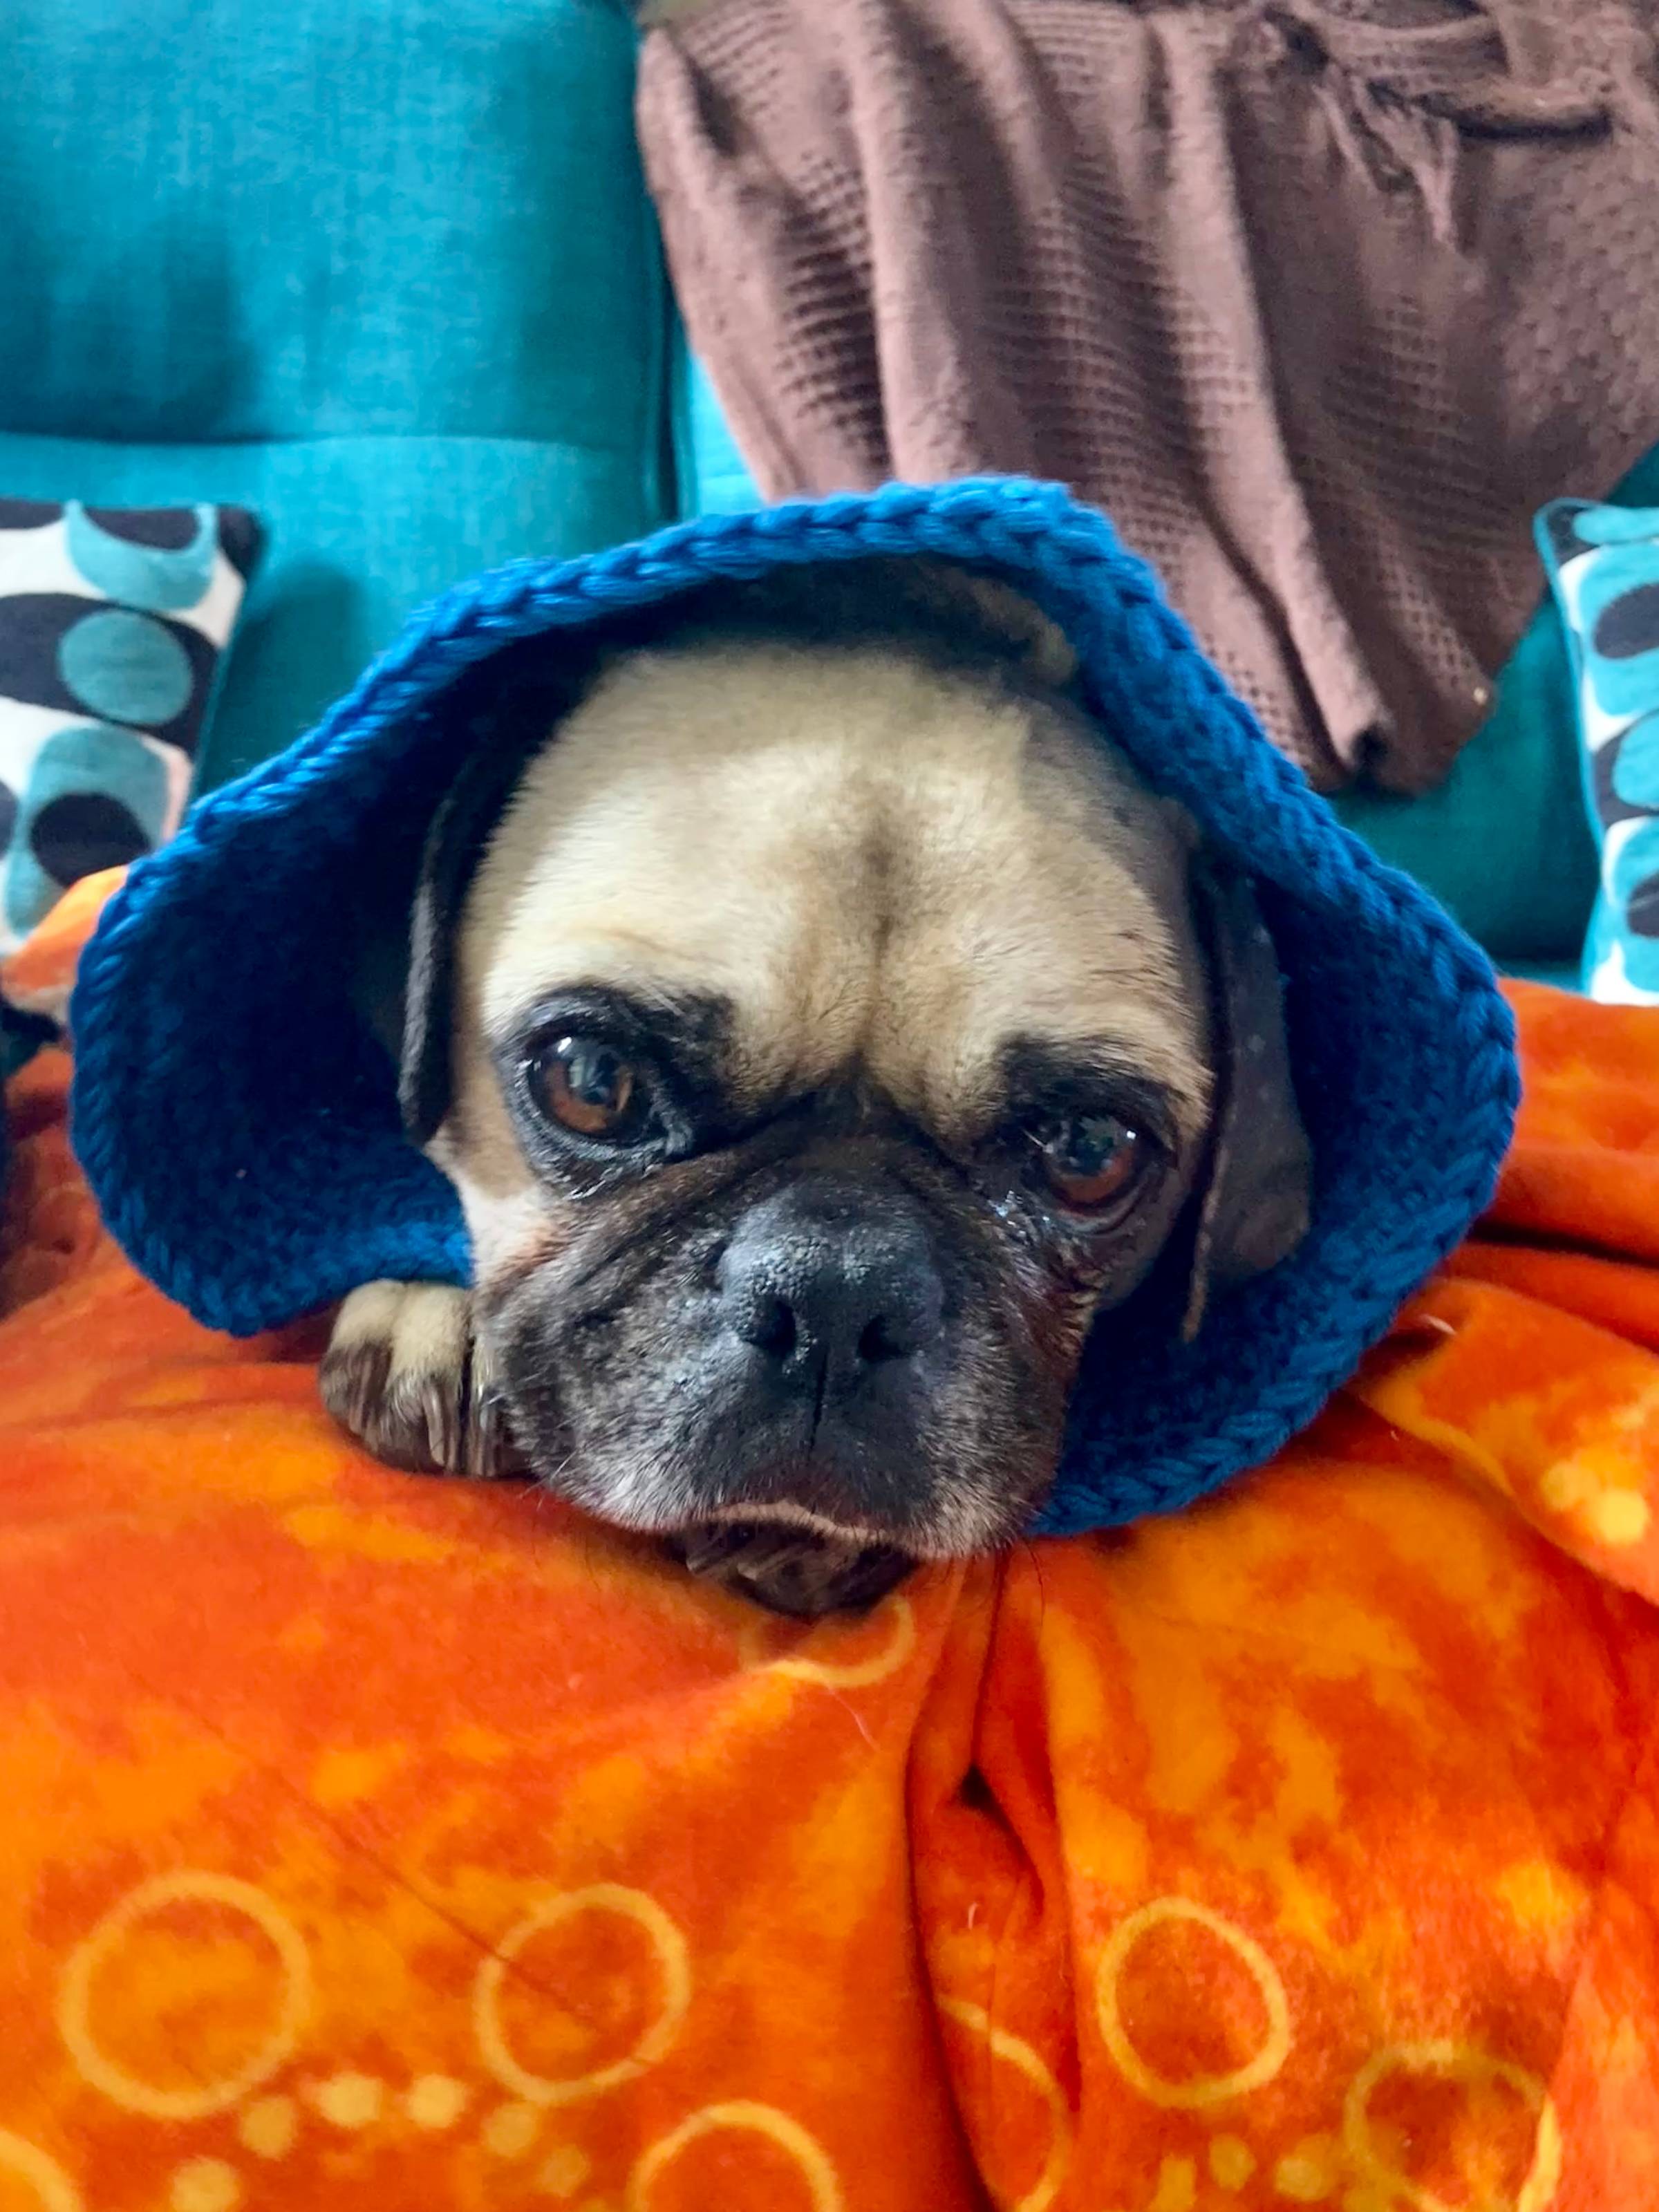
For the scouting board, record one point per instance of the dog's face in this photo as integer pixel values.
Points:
(828, 1037)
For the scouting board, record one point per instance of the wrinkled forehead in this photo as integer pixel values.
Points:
(872, 862)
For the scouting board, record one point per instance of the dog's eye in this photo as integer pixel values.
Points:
(584, 1085)
(1092, 1161)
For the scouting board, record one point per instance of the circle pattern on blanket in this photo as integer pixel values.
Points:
(213, 2036)
(662, 1952)
(895, 1622)
(1373, 2151)
(742, 2113)
(1191, 2092)
(126, 666)
(49, 2187)
(1015, 2052)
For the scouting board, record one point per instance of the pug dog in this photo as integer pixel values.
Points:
(825, 1028)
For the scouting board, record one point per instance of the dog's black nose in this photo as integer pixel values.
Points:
(832, 1282)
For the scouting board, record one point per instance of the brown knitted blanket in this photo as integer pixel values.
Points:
(1321, 298)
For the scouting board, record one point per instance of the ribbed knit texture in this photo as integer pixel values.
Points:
(240, 1131)
(1323, 299)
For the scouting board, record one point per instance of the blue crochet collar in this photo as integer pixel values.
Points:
(240, 1130)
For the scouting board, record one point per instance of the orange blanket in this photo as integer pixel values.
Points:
(391, 1845)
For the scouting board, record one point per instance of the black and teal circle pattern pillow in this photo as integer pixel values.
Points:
(1603, 563)
(113, 623)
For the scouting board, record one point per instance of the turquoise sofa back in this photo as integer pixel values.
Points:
(384, 271)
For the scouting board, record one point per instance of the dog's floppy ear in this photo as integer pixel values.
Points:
(518, 718)
(1257, 1198)
(454, 845)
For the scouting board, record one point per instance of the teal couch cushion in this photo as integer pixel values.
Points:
(711, 475)
(383, 270)
(1502, 842)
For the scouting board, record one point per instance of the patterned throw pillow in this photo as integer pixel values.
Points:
(112, 625)
(1603, 562)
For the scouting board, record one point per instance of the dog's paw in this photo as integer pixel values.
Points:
(405, 1374)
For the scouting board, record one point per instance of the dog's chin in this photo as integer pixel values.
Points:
(774, 1541)
(791, 1555)
(824, 1524)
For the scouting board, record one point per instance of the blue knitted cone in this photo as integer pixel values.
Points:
(241, 1134)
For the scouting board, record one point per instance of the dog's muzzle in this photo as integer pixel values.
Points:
(831, 1307)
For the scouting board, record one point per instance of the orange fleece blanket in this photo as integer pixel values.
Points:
(394, 1844)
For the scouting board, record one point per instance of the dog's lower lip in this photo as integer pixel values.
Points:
(770, 1519)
